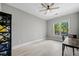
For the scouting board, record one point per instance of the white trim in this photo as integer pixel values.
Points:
(27, 43)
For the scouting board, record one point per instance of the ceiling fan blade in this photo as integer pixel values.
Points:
(52, 4)
(43, 10)
(46, 4)
(54, 8)
(43, 5)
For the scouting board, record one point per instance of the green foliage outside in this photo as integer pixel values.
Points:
(61, 28)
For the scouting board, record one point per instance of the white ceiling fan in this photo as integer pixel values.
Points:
(48, 7)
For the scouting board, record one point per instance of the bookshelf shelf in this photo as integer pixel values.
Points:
(5, 34)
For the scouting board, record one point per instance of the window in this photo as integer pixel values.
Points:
(61, 28)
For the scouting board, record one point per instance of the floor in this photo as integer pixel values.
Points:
(43, 48)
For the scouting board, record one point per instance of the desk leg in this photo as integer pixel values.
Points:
(63, 47)
(73, 52)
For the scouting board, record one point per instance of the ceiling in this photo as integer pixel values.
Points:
(33, 8)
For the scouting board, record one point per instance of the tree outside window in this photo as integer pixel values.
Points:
(61, 28)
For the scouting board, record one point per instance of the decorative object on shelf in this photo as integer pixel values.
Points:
(48, 7)
(5, 34)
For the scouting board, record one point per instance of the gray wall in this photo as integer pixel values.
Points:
(0, 6)
(78, 25)
(72, 19)
(25, 27)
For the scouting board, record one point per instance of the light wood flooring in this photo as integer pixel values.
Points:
(43, 48)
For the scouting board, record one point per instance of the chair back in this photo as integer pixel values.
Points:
(72, 35)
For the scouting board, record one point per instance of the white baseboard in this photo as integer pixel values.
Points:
(55, 38)
(27, 43)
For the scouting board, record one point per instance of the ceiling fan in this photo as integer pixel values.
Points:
(48, 7)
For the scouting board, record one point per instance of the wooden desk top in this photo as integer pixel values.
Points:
(72, 42)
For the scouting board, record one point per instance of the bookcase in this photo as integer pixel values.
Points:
(5, 34)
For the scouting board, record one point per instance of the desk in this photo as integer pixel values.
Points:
(70, 42)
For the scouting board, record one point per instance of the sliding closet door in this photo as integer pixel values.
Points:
(5, 34)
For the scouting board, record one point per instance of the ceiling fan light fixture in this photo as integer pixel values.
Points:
(48, 7)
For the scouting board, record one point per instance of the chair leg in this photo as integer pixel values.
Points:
(73, 52)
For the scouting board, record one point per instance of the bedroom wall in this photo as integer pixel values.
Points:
(73, 20)
(0, 6)
(78, 25)
(25, 27)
